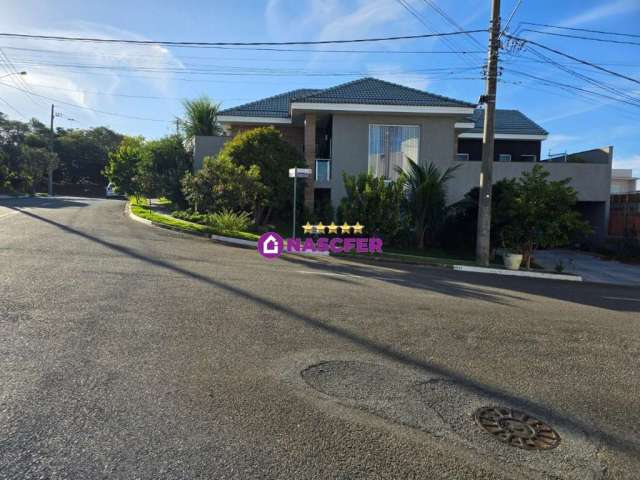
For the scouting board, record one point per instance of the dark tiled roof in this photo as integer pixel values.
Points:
(368, 91)
(276, 106)
(508, 121)
(371, 91)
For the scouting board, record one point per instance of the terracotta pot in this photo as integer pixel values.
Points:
(512, 261)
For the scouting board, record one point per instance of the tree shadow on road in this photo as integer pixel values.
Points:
(487, 287)
(613, 439)
(41, 202)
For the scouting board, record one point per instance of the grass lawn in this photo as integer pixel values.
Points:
(432, 256)
(141, 209)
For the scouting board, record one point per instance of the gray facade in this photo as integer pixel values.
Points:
(350, 148)
(333, 126)
(205, 146)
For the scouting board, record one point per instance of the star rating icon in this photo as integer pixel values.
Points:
(321, 229)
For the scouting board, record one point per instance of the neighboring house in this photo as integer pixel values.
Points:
(623, 181)
(374, 125)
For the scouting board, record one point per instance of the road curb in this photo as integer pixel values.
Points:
(518, 273)
(233, 241)
(132, 216)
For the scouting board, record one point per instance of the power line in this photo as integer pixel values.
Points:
(150, 97)
(582, 29)
(580, 37)
(214, 44)
(579, 75)
(88, 108)
(17, 76)
(558, 52)
(243, 71)
(414, 13)
(513, 14)
(13, 108)
(248, 49)
(450, 20)
(573, 87)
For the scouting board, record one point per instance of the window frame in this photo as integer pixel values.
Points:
(458, 159)
(500, 155)
(401, 125)
(529, 155)
(328, 161)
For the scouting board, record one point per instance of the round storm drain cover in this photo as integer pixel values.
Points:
(517, 428)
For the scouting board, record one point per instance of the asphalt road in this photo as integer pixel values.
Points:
(132, 352)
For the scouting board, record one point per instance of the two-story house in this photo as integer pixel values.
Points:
(374, 125)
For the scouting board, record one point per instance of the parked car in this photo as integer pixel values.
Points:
(111, 190)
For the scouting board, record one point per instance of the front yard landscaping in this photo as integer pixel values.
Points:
(141, 208)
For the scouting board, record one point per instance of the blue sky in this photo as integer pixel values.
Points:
(113, 78)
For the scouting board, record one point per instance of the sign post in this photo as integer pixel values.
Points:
(296, 173)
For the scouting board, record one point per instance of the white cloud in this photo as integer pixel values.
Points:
(632, 162)
(396, 74)
(58, 70)
(559, 140)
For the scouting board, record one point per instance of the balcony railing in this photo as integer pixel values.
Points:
(323, 170)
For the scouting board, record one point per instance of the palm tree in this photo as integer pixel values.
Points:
(200, 117)
(425, 196)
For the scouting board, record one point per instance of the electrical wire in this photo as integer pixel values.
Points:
(89, 108)
(218, 44)
(248, 49)
(558, 52)
(582, 29)
(581, 37)
(414, 13)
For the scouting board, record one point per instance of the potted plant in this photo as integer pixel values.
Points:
(511, 249)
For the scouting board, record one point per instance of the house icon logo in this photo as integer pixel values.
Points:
(270, 245)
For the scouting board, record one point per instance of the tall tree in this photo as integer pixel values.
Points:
(169, 162)
(544, 214)
(266, 148)
(200, 117)
(128, 165)
(425, 197)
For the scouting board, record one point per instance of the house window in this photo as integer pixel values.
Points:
(504, 157)
(389, 148)
(462, 157)
(528, 158)
(323, 170)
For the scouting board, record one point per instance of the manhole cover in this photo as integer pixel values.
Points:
(517, 428)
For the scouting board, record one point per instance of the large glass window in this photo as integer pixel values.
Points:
(389, 148)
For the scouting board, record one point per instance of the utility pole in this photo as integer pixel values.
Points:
(483, 238)
(50, 166)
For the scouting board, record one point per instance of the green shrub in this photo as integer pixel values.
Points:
(265, 149)
(194, 217)
(373, 202)
(222, 184)
(229, 220)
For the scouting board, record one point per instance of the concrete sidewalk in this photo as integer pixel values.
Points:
(591, 267)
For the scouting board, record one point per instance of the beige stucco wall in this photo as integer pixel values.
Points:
(438, 144)
(350, 147)
(590, 180)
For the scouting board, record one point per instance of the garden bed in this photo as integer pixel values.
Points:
(140, 208)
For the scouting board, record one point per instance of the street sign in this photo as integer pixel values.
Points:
(299, 172)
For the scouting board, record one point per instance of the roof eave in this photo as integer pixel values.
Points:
(252, 120)
(377, 108)
(506, 136)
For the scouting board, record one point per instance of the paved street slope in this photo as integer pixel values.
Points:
(128, 351)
